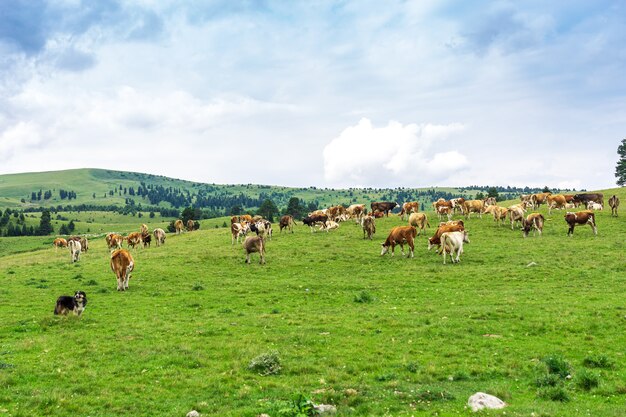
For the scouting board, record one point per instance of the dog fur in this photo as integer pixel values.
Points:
(75, 304)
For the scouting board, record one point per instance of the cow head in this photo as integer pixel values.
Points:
(385, 249)
(466, 237)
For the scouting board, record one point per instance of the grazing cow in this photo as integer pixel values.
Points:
(83, 242)
(614, 204)
(159, 236)
(490, 201)
(254, 244)
(262, 228)
(179, 226)
(146, 239)
(408, 208)
(453, 226)
(144, 229)
(443, 203)
(134, 239)
(594, 206)
(336, 213)
(419, 221)
(59, 242)
(539, 199)
(190, 225)
(570, 205)
(533, 221)
(399, 236)
(581, 217)
(555, 202)
(473, 206)
(356, 211)
(457, 204)
(329, 225)
(452, 242)
(385, 206)
(312, 220)
(500, 214)
(122, 264)
(525, 198)
(238, 230)
(245, 218)
(516, 214)
(444, 211)
(114, 241)
(369, 226)
(587, 197)
(569, 198)
(286, 222)
(75, 249)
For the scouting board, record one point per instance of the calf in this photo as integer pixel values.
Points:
(146, 239)
(254, 244)
(59, 242)
(533, 221)
(399, 236)
(122, 264)
(444, 211)
(594, 206)
(614, 204)
(419, 221)
(75, 249)
(286, 222)
(134, 239)
(114, 241)
(369, 226)
(581, 218)
(452, 242)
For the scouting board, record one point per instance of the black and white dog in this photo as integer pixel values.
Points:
(67, 303)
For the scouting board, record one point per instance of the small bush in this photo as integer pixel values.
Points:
(557, 365)
(266, 364)
(385, 377)
(587, 380)
(412, 367)
(433, 394)
(549, 380)
(558, 393)
(363, 297)
(197, 287)
(301, 406)
(598, 361)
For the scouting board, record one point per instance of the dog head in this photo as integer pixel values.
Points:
(80, 298)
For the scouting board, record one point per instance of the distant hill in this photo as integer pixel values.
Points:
(100, 189)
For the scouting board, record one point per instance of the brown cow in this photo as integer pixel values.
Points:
(533, 221)
(114, 241)
(369, 226)
(190, 225)
(179, 226)
(311, 221)
(245, 218)
(516, 214)
(473, 206)
(144, 229)
(419, 221)
(286, 222)
(254, 244)
(455, 226)
(59, 242)
(614, 204)
(378, 214)
(238, 230)
(500, 214)
(555, 202)
(385, 206)
(399, 236)
(408, 208)
(159, 236)
(585, 198)
(122, 264)
(234, 219)
(490, 201)
(134, 239)
(581, 218)
(356, 211)
(539, 199)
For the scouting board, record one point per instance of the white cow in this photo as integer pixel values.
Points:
(452, 242)
(592, 205)
(75, 248)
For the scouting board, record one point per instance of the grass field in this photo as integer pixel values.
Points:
(372, 335)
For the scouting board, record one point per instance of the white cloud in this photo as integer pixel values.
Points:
(394, 155)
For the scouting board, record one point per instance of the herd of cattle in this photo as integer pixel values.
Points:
(449, 236)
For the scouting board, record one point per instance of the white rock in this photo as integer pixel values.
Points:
(326, 409)
(480, 401)
(193, 413)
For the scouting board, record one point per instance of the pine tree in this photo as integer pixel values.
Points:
(268, 209)
(45, 226)
(620, 169)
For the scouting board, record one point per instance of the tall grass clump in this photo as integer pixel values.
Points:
(266, 364)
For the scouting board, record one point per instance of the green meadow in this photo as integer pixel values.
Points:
(539, 322)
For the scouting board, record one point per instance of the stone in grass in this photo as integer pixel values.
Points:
(480, 401)
(325, 409)
(193, 413)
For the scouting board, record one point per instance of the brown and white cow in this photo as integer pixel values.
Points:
(262, 228)
(245, 218)
(75, 249)
(457, 204)
(614, 204)
(312, 220)
(238, 230)
(419, 221)
(179, 226)
(384, 206)
(594, 206)
(134, 239)
(356, 211)
(555, 202)
(490, 201)
(399, 236)
(581, 218)
(452, 243)
(159, 236)
(84, 243)
(444, 211)
(473, 206)
(114, 241)
(500, 214)
(59, 242)
(533, 221)
(254, 244)
(369, 226)
(329, 225)
(453, 226)
(408, 208)
(286, 222)
(122, 264)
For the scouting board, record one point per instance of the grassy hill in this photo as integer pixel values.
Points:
(372, 335)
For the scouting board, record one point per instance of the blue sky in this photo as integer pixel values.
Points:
(332, 94)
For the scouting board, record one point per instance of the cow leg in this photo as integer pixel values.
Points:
(248, 258)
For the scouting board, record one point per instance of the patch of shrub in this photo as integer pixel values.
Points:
(266, 364)
(412, 367)
(557, 365)
(433, 394)
(598, 361)
(549, 380)
(91, 282)
(300, 406)
(558, 393)
(587, 380)
(363, 297)
(197, 287)
(386, 377)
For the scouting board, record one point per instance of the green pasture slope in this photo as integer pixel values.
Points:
(375, 336)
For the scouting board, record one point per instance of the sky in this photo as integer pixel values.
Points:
(317, 93)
